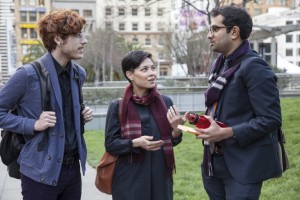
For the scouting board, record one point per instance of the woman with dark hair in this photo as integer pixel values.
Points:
(144, 135)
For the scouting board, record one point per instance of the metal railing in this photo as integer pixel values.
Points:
(186, 93)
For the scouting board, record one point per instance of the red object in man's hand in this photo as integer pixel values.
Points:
(200, 121)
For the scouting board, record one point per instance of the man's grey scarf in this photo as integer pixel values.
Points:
(217, 80)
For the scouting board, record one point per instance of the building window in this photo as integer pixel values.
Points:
(298, 51)
(161, 41)
(270, 2)
(135, 27)
(148, 41)
(135, 40)
(267, 47)
(23, 16)
(160, 12)
(108, 26)
(163, 71)
(148, 27)
(134, 12)
(76, 10)
(32, 16)
(257, 11)
(147, 12)
(161, 56)
(121, 11)
(41, 3)
(24, 34)
(160, 27)
(282, 2)
(298, 63)
(289, 38)
(32, 2)
(267, 58)
(87, 13)
(108, 11)
(33, 33)
(289, 52)
(121, 26)
(289, 22)
(22, 2)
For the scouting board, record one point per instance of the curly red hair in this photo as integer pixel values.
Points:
(60, 22)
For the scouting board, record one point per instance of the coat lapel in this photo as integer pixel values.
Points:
(74, 77)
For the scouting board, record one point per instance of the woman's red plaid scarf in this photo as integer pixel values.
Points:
(131, 123)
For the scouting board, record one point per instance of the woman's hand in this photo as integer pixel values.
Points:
(175, 119)
(146, 143)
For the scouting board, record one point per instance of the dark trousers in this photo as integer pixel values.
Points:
(222, 185)
(68, 186)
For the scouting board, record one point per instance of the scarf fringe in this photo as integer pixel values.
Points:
(131, 122)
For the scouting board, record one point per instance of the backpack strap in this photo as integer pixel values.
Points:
(44, 80)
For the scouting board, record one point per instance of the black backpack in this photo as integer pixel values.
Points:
(12, 143)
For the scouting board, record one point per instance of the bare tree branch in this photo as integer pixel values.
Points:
(195, 7)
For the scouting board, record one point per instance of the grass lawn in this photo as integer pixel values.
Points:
(187, 180)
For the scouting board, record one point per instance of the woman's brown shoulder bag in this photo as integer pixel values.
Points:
(106, 167)
(105, 171)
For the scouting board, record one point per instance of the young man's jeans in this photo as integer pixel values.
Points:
(68, 186)
(222, 186)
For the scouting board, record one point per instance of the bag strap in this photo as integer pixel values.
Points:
(120, 108)
(284, 157)
(44, 80)
(281, 136)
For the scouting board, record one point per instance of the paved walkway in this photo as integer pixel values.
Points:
(10, 188)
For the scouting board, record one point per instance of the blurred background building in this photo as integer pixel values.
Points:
(8, 55)
(142, 22)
